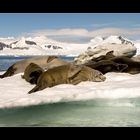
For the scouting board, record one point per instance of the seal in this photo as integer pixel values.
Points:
(105, 66)
(110, 63)
(133, 66)
(87, 74)
(44, 62)
(67, 74)
(32, 73)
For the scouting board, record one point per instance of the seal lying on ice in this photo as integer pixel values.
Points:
(32, 73)
(133, 66)
(44, 62)
(67, 74)
(111, 63)
(105, 66)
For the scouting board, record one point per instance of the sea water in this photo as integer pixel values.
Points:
(98, 112)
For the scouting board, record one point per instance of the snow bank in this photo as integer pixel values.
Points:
(13, 90)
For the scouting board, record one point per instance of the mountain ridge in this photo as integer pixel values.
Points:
(41, 45)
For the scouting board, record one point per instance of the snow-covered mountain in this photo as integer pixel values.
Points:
(137, 45)
(111, 39)
(41, 45)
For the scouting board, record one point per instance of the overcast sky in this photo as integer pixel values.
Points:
(70, 26)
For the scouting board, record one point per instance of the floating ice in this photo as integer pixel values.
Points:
(13, 90)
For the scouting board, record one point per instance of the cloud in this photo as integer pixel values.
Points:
(61, 32)
(69, 34)
(97, 25)
(115, 31)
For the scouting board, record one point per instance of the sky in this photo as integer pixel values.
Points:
(70, 26)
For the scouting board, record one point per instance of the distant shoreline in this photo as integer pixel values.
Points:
(29, 56)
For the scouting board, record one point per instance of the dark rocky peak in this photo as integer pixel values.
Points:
(3, 45)
(53, 47)
(30, 42)
(14, 42)
(124, 41)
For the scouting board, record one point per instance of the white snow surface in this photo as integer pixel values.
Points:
(13, 90)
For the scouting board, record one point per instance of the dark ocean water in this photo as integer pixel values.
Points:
(97, 112)
(7, 61)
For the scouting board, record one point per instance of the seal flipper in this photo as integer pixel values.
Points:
(11, 70)
(74, 70)
(37, 88)
(75, 81)
(50, 58)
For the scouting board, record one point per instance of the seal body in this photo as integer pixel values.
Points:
(105, 66)
(44, 62)
(88, 74)
(32, 73)
(133, 66)
(67, 74)
(110, 63)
